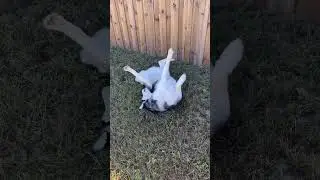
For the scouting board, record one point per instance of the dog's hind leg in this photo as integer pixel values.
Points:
(139, 78)
(180, 81)
(165, 72)
(58, 23)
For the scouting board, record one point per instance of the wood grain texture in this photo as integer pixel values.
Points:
(154, 26)
(116, 24)
(149, 25)
(140, 25)
(129, 11)
(157, 44)
(203, 22)
(112, 36)
(163, 26)
(206, 57)
(119, 4)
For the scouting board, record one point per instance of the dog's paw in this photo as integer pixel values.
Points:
(54, 21)
(181, 80)
(183, 77)
(126, 68)
(170, 53)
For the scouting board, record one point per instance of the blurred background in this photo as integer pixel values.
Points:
(273, 129)
(50, 103)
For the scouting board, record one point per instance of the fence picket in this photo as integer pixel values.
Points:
(153, 26)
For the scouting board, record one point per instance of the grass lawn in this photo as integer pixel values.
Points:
(170, 145)
(50, 103)
(275, 95)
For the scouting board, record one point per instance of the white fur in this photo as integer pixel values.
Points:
(167, 89)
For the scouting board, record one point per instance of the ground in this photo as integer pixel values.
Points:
(50, 103)
(169, 145)
(273, 132)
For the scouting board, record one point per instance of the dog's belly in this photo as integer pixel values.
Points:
(166, 90)
(152, 74)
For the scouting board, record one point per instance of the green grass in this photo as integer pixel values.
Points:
(50, 103)
(273, 132)
(170, 145)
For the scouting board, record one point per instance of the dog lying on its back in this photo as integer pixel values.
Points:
(161, 91)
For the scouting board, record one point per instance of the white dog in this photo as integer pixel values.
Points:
(161, 91)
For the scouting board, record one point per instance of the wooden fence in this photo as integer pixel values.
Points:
(153, 26)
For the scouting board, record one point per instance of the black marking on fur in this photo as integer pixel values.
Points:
(168, 108)
(150, 110)
(173, 107)
(151, 105)
(153, 88)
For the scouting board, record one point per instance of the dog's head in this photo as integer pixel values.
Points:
(150, 102)
(158, 99)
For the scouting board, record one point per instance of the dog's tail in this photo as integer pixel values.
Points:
(229, 58)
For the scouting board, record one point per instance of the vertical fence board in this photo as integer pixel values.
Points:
(140, 26)
(206, 57)
(174, 25)
(157, 44)
(123, 22)
(180, 31)
(195, 29)
(203, 21)
(163, 27)
(168, 16)
(116, 24)
(188, 28)
(153, 26)
(132, 24)
(112, 36)
(149, 25)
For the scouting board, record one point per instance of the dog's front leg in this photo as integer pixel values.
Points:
(139, 78)
(180, 81)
